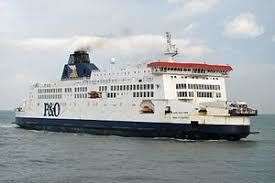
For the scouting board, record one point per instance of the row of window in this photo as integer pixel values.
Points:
(205, 94)
(68, 90)
(128, 87)
(195, 77)
(181, 86)
(184, 94)
(143, 94)
(53, 90)
(111, 95)
(199, 94)
(102, 88)
(199, 70)
(132, 87)
(193, 70)
(198, 86)
(81, 89)
(174, 69)
(204, 71)
(81, 95)
(59, 90)
(123, 73)
(204, 87)
(52, 96)
(94, 81)
(218, 95)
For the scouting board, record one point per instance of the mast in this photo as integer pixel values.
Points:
(171, 49)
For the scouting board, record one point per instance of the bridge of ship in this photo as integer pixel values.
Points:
(189, 67)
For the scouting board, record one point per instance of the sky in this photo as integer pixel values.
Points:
(36, 37)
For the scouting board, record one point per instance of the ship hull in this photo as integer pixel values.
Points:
(137, 129)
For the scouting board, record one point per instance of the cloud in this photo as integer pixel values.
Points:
(3, 5)
(41, 43)
(243, 26)
(194, 7)
(197, 50)
(190, 28)
(127, 45)
(273, 38)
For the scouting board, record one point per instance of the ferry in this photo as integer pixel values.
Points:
(159, 98)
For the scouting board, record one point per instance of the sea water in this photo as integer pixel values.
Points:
(39, 156)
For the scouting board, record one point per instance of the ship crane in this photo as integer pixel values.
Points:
(171, 49)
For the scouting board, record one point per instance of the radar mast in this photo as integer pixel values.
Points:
(171, 49)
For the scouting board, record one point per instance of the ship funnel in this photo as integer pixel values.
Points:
(78, 57)
(79, 66)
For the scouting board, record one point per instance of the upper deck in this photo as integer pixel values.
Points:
(190, 68)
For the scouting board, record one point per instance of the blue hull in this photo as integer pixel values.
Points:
(137, 129)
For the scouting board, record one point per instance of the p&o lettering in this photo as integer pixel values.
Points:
(51, 109)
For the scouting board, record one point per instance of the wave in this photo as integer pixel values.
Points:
(8, 125)
(174, 139)
(187, 140)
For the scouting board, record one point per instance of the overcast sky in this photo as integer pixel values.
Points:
(36, 37)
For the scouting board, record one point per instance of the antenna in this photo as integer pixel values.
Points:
(171, 49)
(112, 63)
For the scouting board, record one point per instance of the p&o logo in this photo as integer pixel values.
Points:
(52, 109)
